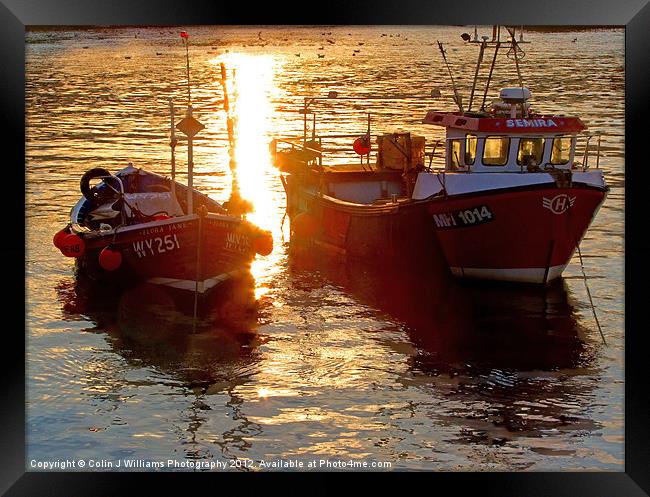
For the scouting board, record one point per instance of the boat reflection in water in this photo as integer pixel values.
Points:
(507, 359)
(149, 328)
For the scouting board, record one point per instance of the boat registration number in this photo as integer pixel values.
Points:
(157, 245)
(463, 217)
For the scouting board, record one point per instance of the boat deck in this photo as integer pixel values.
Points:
(359, 172)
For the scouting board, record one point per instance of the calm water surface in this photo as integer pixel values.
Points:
(339, 362)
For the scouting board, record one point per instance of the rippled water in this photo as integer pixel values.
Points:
(339, 362)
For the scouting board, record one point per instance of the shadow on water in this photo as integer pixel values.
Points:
(463, 324)
(152, 328)
(509, 359)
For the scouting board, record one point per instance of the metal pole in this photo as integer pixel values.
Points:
(199, 239)
(190, 168)
(478, 65)
(304, 120)
(487, 84)
(187, 60)
(514, 49)
(172, 144)
(368, 139)
(229, 120)
(457, 97)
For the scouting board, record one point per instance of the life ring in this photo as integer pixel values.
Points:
(95, 194)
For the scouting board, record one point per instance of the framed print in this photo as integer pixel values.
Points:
(369, 240)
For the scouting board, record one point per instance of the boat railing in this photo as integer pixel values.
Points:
(587, 150)
(584, 141)
(311, 151)
(298, 145)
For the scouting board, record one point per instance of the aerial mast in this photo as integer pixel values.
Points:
(457, 97)
(190, 127)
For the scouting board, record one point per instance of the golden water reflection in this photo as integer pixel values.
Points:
(251, 85)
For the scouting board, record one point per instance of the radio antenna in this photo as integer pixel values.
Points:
(186, 37)
(457, 97)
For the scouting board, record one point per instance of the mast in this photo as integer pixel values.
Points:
(190, 127)
(489, 79)
(515, 48)
(478, 66)
(485, 43)
(190, 167)
(172, 143)
(457, 97)
(186, 37)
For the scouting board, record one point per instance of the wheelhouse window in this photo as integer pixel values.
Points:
(470, 149)
(531, 151)
(561, 151)
(495, 151)
(454, 152)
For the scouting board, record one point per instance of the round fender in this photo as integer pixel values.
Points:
(94, 194)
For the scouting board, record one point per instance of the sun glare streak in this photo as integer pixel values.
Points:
(251, 87)
(249, 94)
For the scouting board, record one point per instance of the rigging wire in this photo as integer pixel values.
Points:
(593, 307)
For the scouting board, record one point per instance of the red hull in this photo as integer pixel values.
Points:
(516, 235)
(371, 232)
(167, 250)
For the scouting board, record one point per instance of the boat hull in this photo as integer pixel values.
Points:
(177, 252)
(520, 235)
(389, 231)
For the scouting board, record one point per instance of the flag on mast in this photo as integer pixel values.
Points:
(184, 34)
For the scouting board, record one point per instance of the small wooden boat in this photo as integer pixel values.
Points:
(138, 226)
(133, 228)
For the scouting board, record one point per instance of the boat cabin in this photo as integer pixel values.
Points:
(507, 138)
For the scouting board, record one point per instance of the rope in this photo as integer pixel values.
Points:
(593, 308)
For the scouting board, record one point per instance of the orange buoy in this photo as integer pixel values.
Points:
(362, 145)
(304, 225)
(58, 238)
(110, 259)
(72, 245)
(263, 243)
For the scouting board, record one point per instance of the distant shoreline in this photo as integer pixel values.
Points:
(539, 29)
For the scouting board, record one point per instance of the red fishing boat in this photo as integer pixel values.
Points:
(515, 197)
(138, 226)
(509, 198)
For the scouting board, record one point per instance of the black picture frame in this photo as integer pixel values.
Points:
(15, 15)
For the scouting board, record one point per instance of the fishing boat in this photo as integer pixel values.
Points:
(517, 192)
(138, 226)
(504, 198)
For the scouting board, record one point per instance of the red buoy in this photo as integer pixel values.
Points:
(263, 243)
(58, 238)
(72, 245)
(304, 225)
(110, 259)
(362, 145)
